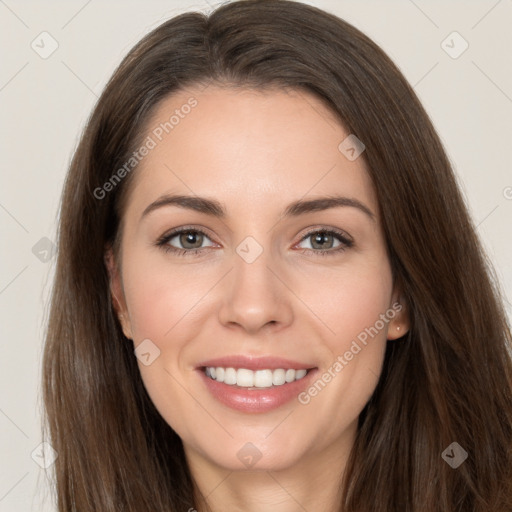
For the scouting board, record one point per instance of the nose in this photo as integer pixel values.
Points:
(255, 295)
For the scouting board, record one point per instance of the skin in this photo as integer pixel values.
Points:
(256, 152)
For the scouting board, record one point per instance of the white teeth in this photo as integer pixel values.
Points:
(278, 377)
(230, 376)
(300, 373)
(244, 378)
(290, 375)
(259, 379)
(262, 378)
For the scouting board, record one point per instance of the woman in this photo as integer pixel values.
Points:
(331, 339)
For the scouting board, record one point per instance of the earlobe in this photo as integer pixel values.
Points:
(116, 293)
(400, 324)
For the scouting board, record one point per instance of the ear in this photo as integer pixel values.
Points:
(400, 324)
(117, 293)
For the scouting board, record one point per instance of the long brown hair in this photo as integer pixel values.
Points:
(448, 380)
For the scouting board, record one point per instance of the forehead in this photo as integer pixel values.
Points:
(250, 148)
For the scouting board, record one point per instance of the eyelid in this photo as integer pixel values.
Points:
(346, 241)
(164, 239)
(325, 229)
(185, 228)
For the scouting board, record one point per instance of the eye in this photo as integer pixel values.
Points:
(324, 240)
(190, 239)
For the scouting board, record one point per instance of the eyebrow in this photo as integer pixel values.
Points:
(295, 209)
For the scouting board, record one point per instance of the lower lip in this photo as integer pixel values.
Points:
(256, 400)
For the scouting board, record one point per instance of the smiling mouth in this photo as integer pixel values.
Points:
(257, 379)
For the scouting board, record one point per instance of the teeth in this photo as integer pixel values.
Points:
(230, 376)
(254, 379)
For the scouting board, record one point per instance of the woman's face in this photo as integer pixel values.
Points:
(264, 279)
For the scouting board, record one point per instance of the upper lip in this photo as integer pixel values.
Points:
(255, 363)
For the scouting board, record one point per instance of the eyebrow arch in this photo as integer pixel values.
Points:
(295, 209)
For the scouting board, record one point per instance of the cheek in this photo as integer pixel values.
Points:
(349, 299)
(355, 305)
(168, 304)
(342, 300)
(159, 297)
(160, 302)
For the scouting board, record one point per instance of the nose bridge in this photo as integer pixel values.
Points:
(251, 265)
(253, 296)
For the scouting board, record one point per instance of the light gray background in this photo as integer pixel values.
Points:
(45, 102)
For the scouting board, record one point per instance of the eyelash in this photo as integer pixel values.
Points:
(162, 242)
